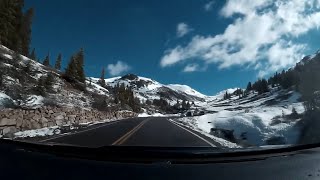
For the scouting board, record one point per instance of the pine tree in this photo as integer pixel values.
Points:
(46, 61)
(40, 87)
(80, 66)
(264, 86)
(49, 81)
(90, 81)
(71, 70)
(249, 87)
(102, 82)
(15, 26)
(261, 86)
(25, 31)
(184, 105)
(177, 105)
(226, 96)
(28, 67)
(33, 55)
(10, 22)
(58, 62)
(188, 105)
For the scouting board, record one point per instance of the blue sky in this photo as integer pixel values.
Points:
(208, 45)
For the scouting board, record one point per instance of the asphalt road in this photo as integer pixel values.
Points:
(151, 131)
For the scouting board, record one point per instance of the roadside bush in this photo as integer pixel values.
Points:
(75, 83)
(100, 103)
(40, 89)
(49, 81)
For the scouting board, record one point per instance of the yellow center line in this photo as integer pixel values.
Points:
(126, 136)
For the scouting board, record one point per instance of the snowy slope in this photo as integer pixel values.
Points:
(18, 85)
(186, 89)
(258, 118)
(149, 89)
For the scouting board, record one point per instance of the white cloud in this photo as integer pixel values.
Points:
(172, 57)
(118, 68)
(191, 68)
(262, 34)
(209, 5)
(183, 29)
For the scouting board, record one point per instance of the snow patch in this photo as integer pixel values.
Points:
(151, 115)
(34, 101)
(38, 132)
(186, 89)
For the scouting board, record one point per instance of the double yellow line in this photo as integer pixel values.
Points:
(125, 137)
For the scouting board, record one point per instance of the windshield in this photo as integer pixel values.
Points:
(196, 73)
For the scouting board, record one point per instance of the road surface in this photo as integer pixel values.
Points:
(151, 131)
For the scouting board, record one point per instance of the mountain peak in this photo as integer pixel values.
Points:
(129, 77)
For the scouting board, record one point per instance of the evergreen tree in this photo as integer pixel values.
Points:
(25, 31)
(226, 96)
(71, 71)
(125, 97)
(249, 87)
(264, 86)
(28, 67)
(58, 62)
(49, 81)
(15, 27)
(188, 105)
(80, 75)
(18, 45)
(184, 105)
(40, 87)
(90, 81)
(177, 105)
(10, 22)
(46, 61)
(33, 55)
(261, 86)
(102, 82)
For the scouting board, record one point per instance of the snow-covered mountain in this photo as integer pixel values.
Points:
(65, 94)
(258, 119)
(149, 89)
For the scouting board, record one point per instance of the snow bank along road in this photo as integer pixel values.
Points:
(150, 131)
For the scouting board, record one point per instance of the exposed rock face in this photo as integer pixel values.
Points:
(13, 120)
(129, 77)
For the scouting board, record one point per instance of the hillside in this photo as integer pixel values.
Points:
(283, 109)
(267, 112)
(148, 89)
(20, 85)
(252, 120)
